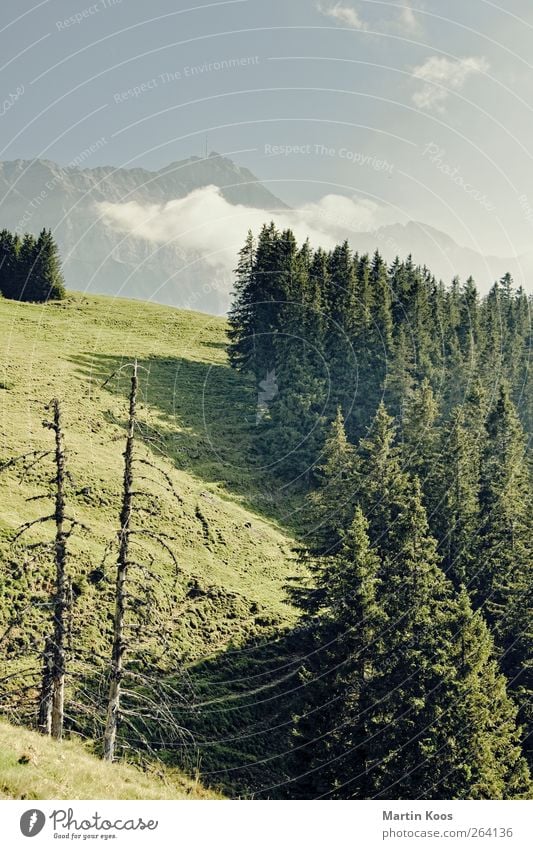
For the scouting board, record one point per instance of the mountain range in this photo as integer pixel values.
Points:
(100, 258)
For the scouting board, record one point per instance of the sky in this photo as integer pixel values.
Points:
(417, 110)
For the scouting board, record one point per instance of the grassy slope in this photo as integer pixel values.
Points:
(234, 558)
(34, 767)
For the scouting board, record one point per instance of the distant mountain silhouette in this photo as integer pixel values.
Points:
(101, 259)
(444, 256)
(38, 193)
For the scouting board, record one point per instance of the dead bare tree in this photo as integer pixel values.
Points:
(126, 557)
(52, 696)
(60, 595)
(117, 652)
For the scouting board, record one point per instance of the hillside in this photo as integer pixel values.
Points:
(34, 767)
(229, 591)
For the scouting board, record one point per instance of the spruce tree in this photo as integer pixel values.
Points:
(242, 315)
(421, 320)
(9, 246)
(522, 388)
(491, 353)
(315, 315)
(488, 759)
(416, 677)
(24, 283)
(341, 303)
(260, 292)
(381, 481)
(420, 434)
(399, 286)
(334, 727)
(404, 696)
(469, 322)
(456, 493)
(293, 431)
(331, 504)
(363, 341)
(505, 501)
(381, 309)
(378, 340)
(45, 282)
(400, 378)
(443, 734)
(502, 585)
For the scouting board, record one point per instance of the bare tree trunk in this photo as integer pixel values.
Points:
(117, 656)
(45, 701)
(60, 598)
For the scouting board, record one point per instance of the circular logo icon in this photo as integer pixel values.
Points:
(32, 822)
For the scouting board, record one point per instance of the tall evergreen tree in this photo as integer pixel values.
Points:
(381, 307)
(242, 318)
(341, 301)
(381, 481)
(502, 585)
(469, 322)
(491, 353)
(456, 493)
(292, 438)
(334, 726)
(46, 281)
(24, 281)
(260, 293)
(489, 762)
(505, 499)
(400, 378)
(420, 435)
(331, 504)
(9, 246)
(315, 315)
(435, 711)
(400, 709)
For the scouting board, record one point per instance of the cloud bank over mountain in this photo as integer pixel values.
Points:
(204, 222)
(173, 235)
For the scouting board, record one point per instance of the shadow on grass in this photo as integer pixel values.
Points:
(201, 415)
(229, 718)
(244, 723)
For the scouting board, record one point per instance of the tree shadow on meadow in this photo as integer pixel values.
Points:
(228, 718)
(240, 720)
(201, 416)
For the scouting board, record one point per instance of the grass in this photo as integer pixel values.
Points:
(223, 535)
(35, 767)
(194, 628)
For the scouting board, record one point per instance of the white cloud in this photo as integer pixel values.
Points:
(343, 14)
(408, 21)
(441, 76)
(205, 224)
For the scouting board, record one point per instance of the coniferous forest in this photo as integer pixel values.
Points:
(364, 632)
(30, 268)
(266, 408)
(400, 409)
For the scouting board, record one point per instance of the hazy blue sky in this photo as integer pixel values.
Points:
(424, 108)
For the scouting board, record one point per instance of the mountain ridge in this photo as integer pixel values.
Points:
(100, 258)
(40, 193)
